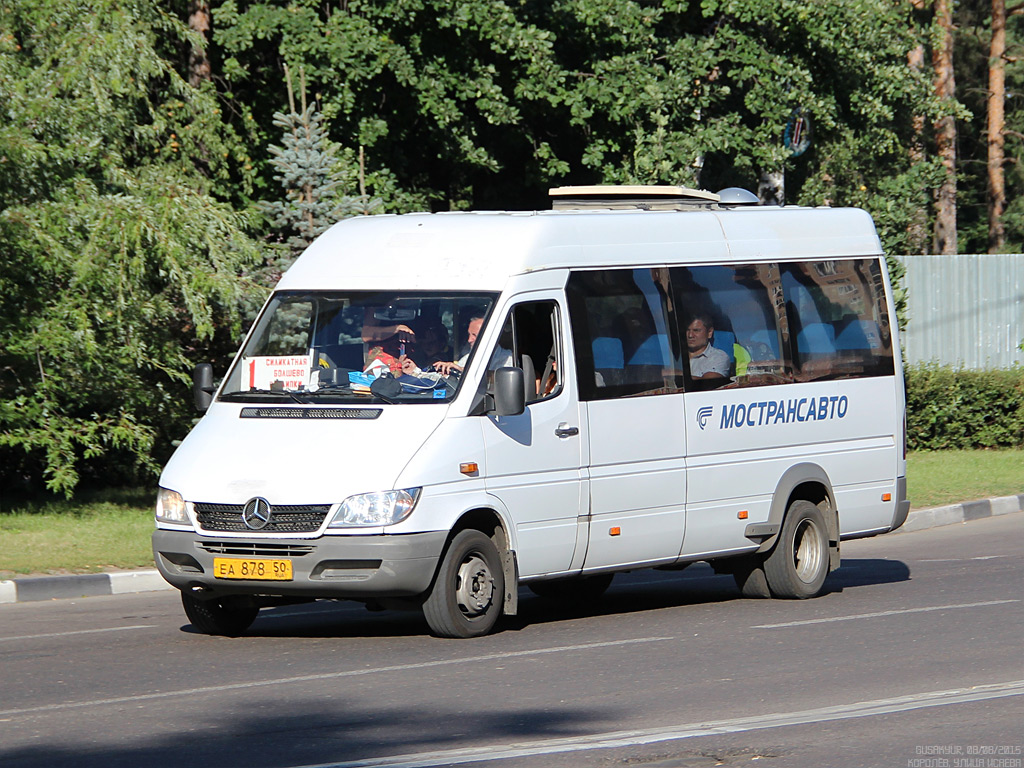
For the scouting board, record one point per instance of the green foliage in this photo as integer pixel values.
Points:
(434, 90)
(117, 263)
(485, 103)
(899, 290)
(971, 52)
(950, 408)
(308, 172)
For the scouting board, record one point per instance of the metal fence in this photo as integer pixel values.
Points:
(965, 310)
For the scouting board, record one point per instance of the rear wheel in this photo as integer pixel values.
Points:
(799, 563)
(229, 616)
(581, 590)
(469, 590)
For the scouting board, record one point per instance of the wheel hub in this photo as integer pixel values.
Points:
(475, 587)
(808, 551)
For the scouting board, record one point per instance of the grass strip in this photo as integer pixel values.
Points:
(937, 478)
(95, 533)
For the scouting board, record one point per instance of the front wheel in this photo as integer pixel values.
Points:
(799, 563)
(229, 616)
(469, 590)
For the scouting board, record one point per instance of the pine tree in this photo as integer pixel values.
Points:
(308, 172)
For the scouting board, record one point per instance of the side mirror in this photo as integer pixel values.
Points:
(509, 391)
(202, 386)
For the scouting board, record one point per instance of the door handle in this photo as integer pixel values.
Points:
(564, 430)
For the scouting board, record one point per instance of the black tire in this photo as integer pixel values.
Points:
(469, 590)
(751, 579)
(228, 616)
(799, 563)
(582, 590)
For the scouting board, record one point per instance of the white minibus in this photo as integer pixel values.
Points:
(434, 409)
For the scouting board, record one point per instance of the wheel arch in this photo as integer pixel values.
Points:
(491, 523)
(807, 482)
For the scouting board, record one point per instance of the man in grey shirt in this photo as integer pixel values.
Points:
(706, 361)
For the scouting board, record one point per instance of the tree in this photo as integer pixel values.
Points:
(486, 104)
(996, 123)
(306, 166)
(199, 21)
(438, 93)
(118, 265)
(917, 229)
(945, 240)
(989, 74)
(845, 67)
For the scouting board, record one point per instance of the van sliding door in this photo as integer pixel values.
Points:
(628, 364)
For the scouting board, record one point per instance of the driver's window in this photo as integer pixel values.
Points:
(530, 340)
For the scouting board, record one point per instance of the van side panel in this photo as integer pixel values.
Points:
(741, 441)
(637, 479)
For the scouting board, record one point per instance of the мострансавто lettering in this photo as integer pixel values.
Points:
(770, 412)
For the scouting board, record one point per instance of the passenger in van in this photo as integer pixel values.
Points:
(706, 361)
(500, 359)
(546, 387)
(392, 337)
(633, 327)
(432, 347)
(432, 344)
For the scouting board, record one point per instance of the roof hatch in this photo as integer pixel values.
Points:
(648, 198)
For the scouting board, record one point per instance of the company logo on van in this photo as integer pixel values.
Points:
(704, 415)
(256, 513)
(771, 412)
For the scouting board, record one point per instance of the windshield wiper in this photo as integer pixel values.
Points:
(252, 394)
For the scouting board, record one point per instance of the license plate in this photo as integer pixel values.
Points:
(257, 569)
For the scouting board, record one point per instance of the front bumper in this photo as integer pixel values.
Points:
(355, 567)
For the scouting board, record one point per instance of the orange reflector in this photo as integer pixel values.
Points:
(616, 531)
(469, 468)
(886, 497)
(742, 515)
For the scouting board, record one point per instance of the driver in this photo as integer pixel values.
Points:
(501, 358)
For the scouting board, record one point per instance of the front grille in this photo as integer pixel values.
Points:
(254, 549)
(290, 518)
(309, 413)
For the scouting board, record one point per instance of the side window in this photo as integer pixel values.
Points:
(530, 340)
(733, 323)
(839, 319)
(624, 342)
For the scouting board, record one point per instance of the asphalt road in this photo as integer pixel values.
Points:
(914, 658)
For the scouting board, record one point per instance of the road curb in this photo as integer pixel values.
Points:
(934, 517)
(37, 588)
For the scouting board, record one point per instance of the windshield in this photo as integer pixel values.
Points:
(359, 346)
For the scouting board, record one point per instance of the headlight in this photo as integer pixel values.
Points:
(380, 508)
(170, 507)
